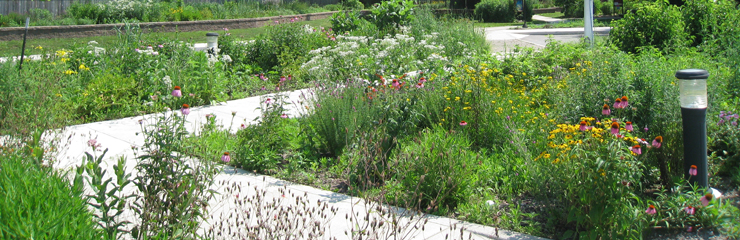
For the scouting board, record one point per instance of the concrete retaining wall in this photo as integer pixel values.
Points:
(75, 31)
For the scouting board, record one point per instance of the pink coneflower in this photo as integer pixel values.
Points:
(618, 103)
(657, 141)
(282, 78)
(463, 123)
(651, 210)
(191, 94)
(420, 85)
(243, 126)
(615, 128)
(209, 116)
(160, 46)
(605, 110)
(628, 126)
(290, 77)
(268, 101)
(185, 109)
(177, 92)
(263, 78)
(692, 170)
(422, 80)
(263, 88)
(706, 199)
(690, 210)
(226, 158)
(583, 126)
(284, 115)
(396, 84)
(625, 101)
(636, 149)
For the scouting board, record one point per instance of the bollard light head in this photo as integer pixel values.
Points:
(212, 39)
(692, 85)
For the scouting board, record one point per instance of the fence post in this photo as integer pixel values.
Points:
(23, 49)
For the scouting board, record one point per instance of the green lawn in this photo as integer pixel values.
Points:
(13, 48)
(553, 15)
(513, 24)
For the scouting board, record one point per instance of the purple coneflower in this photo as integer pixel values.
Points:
(651, 210)
(628, 126)
(657, 141)
(636, 149)
(692, 170)
(615, 128)
(185, 109)
(690, 210)
(706, 199)
(177, 92)
(226, 158)
(605, 110)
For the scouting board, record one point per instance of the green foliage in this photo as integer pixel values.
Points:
(655, 24)
(107, 198)
(267, 145)
(436, 169)
(496, 11)
(173, 192)
(280, 48)
(39, 202)
(391, 14)
(607, 8)
(571, 8)
(108, 96)
(352, 5)
(345, 21)
(724, 146)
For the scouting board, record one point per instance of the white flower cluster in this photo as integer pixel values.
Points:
(365, 56)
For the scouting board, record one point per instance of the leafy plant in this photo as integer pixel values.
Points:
(391, 14)
(496, 11)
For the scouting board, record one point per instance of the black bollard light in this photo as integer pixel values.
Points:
(692, 85)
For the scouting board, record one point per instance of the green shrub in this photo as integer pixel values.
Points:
(496, 11)
(87, 11)
(267, 145)
(607, 8)
(39, 202)
(528, 12)
(436, 169)
(571, 8)
(109, 96)
(656, 24)
(40, 14)
(352, 5)
(345, 21)
(393, 13)
(333, 7)
(11, 20)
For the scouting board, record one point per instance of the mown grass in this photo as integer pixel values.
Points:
(13, 48)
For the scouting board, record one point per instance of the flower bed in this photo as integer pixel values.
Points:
(569, 142)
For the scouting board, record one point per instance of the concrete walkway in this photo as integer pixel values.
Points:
(118, 136)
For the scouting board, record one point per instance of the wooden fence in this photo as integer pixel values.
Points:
(59, 7)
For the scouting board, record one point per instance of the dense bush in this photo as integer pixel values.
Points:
(439, 167)
(654, 24)
(393, 13)
(347, 21)
(39, 202)
(496, 11)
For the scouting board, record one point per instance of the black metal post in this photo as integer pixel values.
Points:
(23, 48)
(693, 97)
(695, 144)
